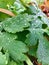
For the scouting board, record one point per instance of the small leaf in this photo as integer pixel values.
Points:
(3, 59)
(18, 7)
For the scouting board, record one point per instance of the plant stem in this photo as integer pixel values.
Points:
(28, 61)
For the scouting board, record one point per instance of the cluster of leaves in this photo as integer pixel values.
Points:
(25, 34)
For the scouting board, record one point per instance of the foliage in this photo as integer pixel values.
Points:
(23, 35)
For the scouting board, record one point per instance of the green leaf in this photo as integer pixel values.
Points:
(4, 3)
(17, 23)
(44, 64)
(3, 59)
(36, 30)
(32, 51)
(38, 15)
(20, 63)
(18, 7)
(16, 48)
(3, 16)
(8, 35)
(43, 51)
(33, 36)
(36, 23)
(12, 63)
(32, 9)
(43, 18)
(15, 63)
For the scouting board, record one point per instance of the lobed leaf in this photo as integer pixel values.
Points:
(16, 48)
(43, 51)
(17, 23)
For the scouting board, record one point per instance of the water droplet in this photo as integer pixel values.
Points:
(8, 38)
(25, 24)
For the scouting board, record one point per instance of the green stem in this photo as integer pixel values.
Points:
(28, 61)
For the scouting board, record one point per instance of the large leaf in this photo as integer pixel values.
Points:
(15, 48)
(39, 20)
(35, 31)
(43, 51)
(16, 24)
